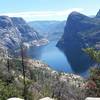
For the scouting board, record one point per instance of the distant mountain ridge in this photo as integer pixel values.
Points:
(80, 32)
(49, 29)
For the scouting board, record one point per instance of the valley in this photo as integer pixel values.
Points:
(80, 32)
(49, 58)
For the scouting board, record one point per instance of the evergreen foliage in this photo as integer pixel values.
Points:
(93, 82)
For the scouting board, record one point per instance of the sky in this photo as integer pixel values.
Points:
(32, 10)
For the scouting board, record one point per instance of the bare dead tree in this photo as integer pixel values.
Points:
(8, 63)
(23, 70)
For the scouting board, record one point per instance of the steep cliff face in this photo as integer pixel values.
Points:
(9, 34)
(80, 32)
(12, 30)
(27, 32)
(98, 14)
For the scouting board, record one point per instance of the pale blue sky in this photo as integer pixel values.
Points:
(47, 9)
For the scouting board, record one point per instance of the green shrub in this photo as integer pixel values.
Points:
(93, 82)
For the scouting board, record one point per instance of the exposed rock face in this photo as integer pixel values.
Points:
(98, 14)
(92, 98)
(9, 34)
(15, 98)
(27, 32)
(46, 98)
(12, 30)
(80, 32)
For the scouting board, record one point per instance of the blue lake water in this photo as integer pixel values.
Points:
(52, 56)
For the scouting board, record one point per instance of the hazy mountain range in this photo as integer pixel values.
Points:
(49, 29)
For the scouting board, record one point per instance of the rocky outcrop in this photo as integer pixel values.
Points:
(98, 14)
(15, 98)
(80, 32)
(50, 29)
(27, 32)
(92, 98)
(13, 30)
(9, 34)
(47, 98)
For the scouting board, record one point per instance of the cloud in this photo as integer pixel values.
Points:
(43, 15)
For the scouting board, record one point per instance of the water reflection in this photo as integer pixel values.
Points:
(56, 59)
(51, 55)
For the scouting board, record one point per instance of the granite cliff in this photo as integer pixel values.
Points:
(80, 32)
(13, 30)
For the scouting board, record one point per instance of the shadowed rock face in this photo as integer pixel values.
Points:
(12, 30)
(5, 22)
(80, 32)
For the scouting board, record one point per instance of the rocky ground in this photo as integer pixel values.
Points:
(41, 80)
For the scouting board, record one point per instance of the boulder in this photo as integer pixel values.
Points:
(92, 98)
(47, 98)
(14, 98)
